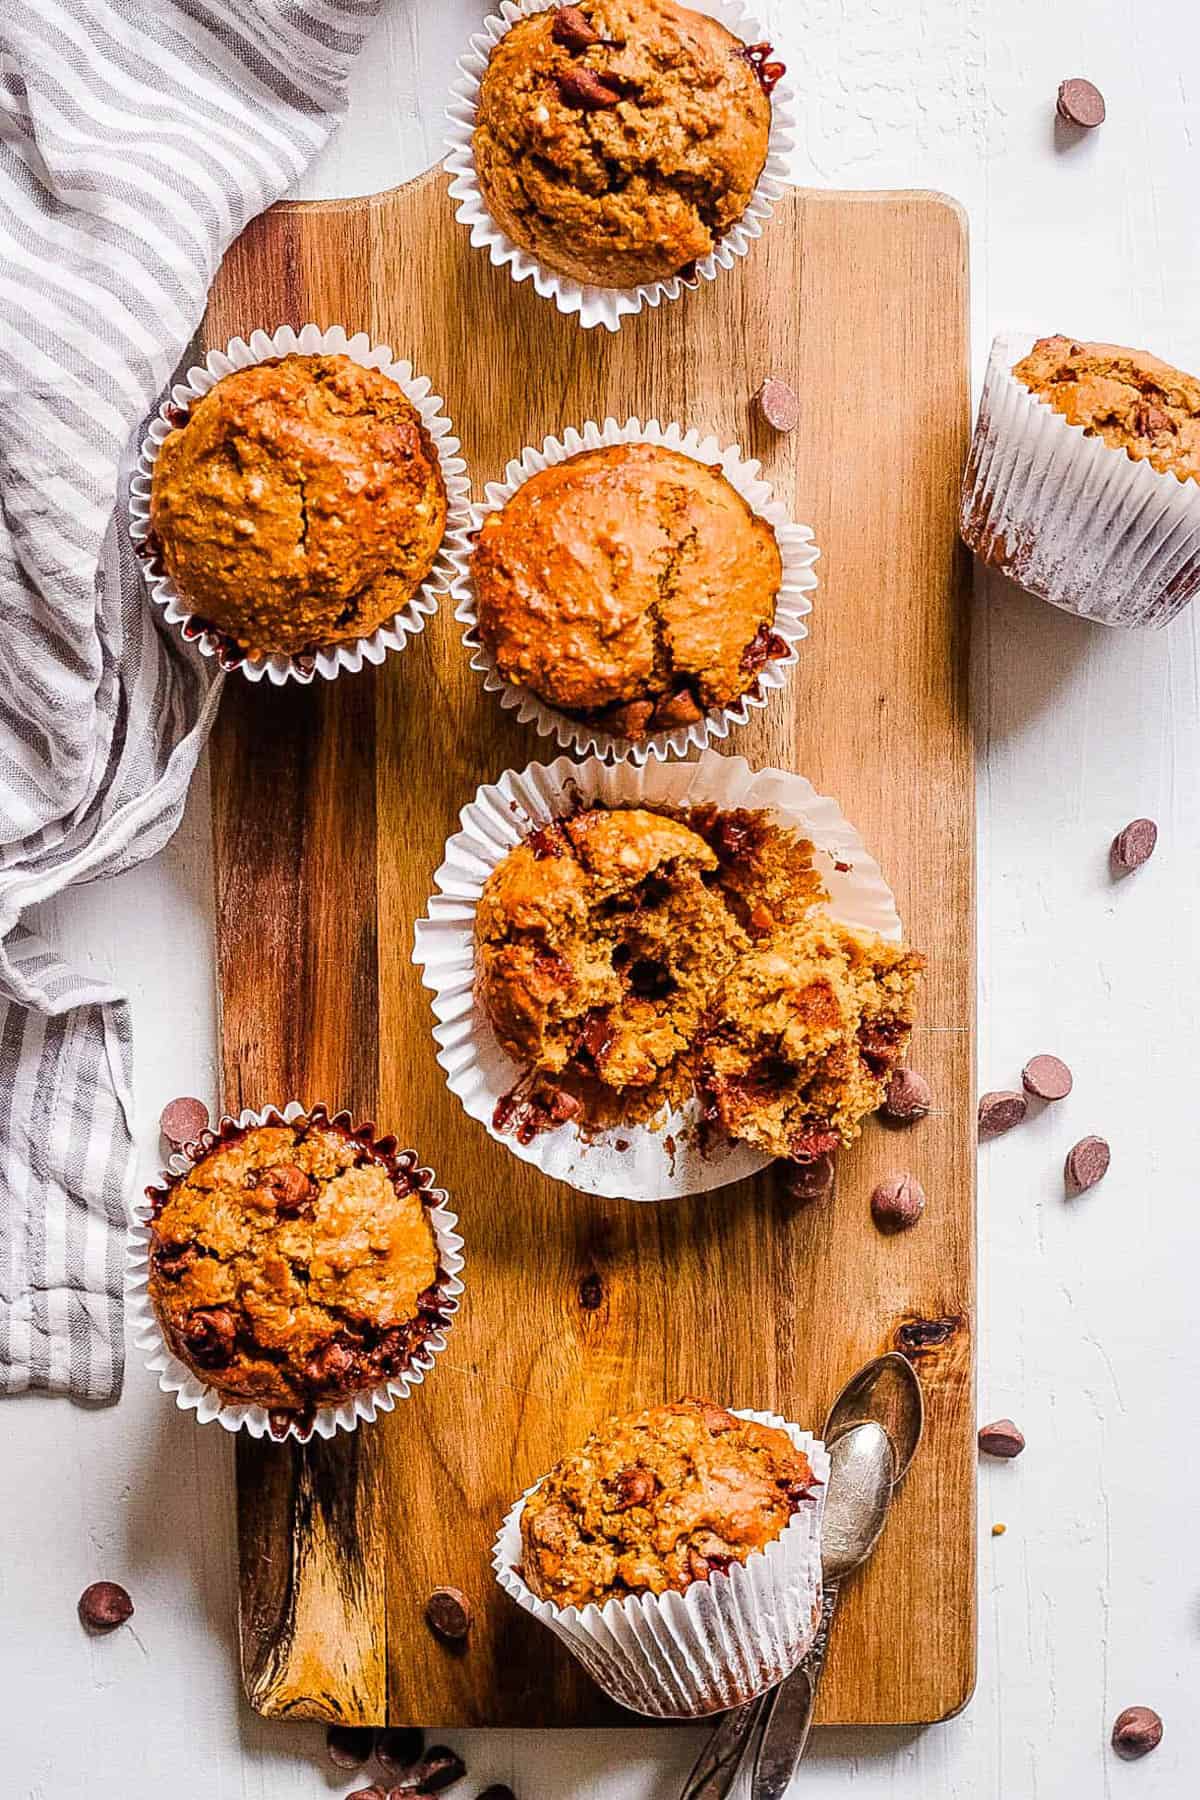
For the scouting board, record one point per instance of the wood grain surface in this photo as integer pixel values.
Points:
(331, 807)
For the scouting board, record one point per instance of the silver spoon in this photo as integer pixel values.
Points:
(887, 1392)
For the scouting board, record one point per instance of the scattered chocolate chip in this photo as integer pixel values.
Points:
(779, 404)
(809, 1180)
(897, 1203)
(181, 1121)
(635, 1487)
(397, 1750)
(1081, 103)
(1136, 1732)
(1047, 1077)
(1001, 1438)
(572, 30)
(439, 1768)
(582, 87)
(908, 1097)
(448, 1613)
(1000, 1111)
(104, 1606)
(1133, 846)
(349, 1746)
(1087, 1164)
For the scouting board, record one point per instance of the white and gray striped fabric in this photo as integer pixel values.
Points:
(137, 137)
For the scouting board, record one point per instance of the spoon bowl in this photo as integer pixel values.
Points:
(861, 1477)
(886, 1390)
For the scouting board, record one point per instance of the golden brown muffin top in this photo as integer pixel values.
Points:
(659, 1500)
(295, 1264)
(803, 1034)
(300, 504)
(602, 939)
(621, 143)
(629, 583)
(1131, 399)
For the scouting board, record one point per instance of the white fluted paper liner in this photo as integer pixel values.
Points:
(717, 1645)
(1070, 518)
(597, 305)
(194, 1395)
(632, 1162)
(327, 660)
(792, 606)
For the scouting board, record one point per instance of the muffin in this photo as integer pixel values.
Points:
(630, 960)
(618, 140)
(295, 1265)
(657, 1501)
(299, 503)
(802, 1036)
(630, 586)
(1083, 482)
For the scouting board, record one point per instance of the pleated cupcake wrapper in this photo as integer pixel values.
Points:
(718, 1644)
(634, 1162)
(328, 660)
(1070, 518)
(792, 606)
(594, 306)
(195, 1395)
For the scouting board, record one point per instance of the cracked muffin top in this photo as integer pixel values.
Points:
(300, 504)
(802, 1036)
(1127, 397)
(659, 1500)
(295, 1264)
(630, 584)
(619, 140)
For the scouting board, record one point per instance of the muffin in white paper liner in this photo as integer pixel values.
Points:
(635, 1162)
(792, 606)
(600, 305)
(326, 660)
(718, 1644)
(1070, 518)
(195, 1395)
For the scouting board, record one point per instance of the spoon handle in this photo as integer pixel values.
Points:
(790, 1713)
(717, 1765)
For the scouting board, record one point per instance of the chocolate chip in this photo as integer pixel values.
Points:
(1136, 1732)
(104, 1606)
(635, 1487)
(349, 1746)
(908, 1097)
(807, 1145)
(680, 709)
(582, 87)
(497, 1791)
(572, 30)
(779, 404)
(448, 1613)
(715, 1418)
(1133, 846)
(1047, 1077)
(809, 1180)
(181, 1121)
(210, 1337)
(1001, 1438)
(1087, 1164)
(897, 1203)
(374, 1792)
(287, 1188)
(1000, 1111)
(439, 1768)
(397, 1750)
(1081, 103)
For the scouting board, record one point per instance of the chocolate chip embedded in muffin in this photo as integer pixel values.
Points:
(300, 503)
(658, 1500)
(295, 1265)
(631, 586)
(623, 149)
(802, 1037)
(1132, 400)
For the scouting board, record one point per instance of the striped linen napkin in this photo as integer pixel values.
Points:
(137, 138)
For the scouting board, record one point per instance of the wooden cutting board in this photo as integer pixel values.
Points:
(331, 807)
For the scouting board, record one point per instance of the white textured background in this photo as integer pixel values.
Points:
(1092, 1599)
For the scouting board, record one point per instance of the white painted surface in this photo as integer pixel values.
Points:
(1092, 1599)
